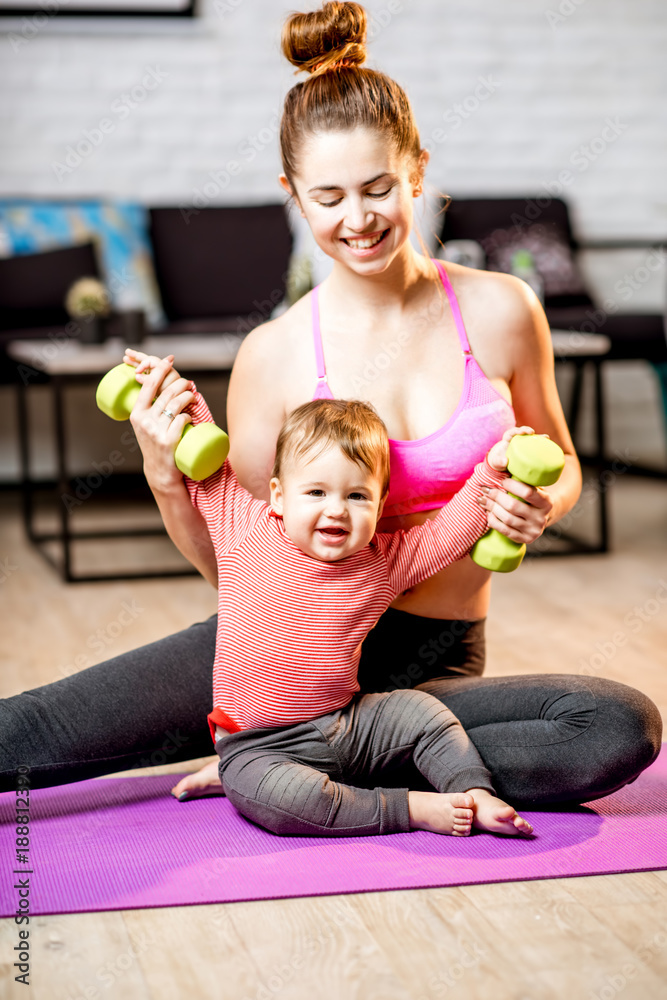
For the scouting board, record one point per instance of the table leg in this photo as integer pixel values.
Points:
(575, 398)
(62, 477)
(601, 444)
(27, 505)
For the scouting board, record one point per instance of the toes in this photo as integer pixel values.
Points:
(461, 800)
(191, 787)
(505, 813)
(180, 788)
(462, 823)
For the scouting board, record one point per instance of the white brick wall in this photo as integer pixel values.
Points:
(516, 87)
(552, 81)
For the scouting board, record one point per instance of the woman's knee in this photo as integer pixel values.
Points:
(628, 731)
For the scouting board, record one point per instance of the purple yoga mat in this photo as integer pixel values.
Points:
(124, 843)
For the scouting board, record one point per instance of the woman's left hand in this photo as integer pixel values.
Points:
(522, 522)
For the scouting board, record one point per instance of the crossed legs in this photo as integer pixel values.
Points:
(325, 777)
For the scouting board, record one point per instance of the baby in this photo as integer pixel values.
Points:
(301, 581)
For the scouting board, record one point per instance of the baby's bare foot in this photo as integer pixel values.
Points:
(496, 816)
(441, 812)
(206, 781)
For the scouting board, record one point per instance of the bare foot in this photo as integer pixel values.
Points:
(206, 781)
(441, 812)
(496, 816)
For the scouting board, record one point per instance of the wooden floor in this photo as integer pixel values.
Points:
(577, 938)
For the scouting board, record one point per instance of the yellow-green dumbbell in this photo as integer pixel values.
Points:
(202, 448)
(532, 459)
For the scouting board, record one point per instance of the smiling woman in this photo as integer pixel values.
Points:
(339, 99)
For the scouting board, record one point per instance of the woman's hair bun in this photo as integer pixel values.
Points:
(333, 35)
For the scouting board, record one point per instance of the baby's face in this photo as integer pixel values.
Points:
(330, 505)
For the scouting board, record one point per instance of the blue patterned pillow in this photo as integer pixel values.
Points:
(119, 231)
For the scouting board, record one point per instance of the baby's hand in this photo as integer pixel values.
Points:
(497, 457)
(145, 363)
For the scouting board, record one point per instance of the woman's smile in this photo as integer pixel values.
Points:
(364, 246)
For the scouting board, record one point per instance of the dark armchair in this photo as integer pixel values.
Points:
(499, 223)
(220, 269)
(32, 294)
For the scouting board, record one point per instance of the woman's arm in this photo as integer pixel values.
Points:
(188, 531)
(529, 362)
(158, 436)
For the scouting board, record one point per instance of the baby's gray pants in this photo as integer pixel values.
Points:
(324, 777)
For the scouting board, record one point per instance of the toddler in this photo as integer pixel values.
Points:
(301, 581)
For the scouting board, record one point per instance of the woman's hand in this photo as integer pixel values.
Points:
(163, 392)
(521, 522)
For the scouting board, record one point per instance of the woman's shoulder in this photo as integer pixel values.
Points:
(503, 317)
(275, 338)
(496, 290)
(272, 366)
(495, 301)
(271, 347)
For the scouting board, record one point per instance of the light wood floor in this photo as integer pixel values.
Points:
(578, 938)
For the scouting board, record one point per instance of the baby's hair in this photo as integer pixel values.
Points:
(351, 424)
(340, 94)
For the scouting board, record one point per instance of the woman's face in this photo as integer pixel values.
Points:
(356, 194)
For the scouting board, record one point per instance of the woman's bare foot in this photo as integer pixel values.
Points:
(206, 781)
(441, 812)
(495, 816)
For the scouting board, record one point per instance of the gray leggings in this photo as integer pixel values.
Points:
(544, 737)
(305, 779)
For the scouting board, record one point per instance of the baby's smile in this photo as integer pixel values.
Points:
(333, 535)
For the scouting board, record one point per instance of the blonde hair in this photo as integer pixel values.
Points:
(351, 424)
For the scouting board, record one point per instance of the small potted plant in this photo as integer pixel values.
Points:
(88, 302)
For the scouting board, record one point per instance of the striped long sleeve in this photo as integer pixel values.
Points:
(229, 510)
(416, 553)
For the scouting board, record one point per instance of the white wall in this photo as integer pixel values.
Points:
(546, 83)
(507, 96)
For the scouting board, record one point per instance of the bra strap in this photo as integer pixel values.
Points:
(454, 305)
(317, 335)
(322, 390)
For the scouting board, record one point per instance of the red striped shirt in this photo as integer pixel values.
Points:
(290, 627)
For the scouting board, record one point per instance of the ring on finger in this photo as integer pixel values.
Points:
(169, 414)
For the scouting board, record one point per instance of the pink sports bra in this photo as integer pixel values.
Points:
(426, 473)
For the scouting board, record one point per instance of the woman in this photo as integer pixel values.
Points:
(450, 357)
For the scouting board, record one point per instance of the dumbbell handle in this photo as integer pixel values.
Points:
(203, 447)
(531, 459)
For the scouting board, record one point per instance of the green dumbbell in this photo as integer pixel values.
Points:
(532, 459)
(202, 448)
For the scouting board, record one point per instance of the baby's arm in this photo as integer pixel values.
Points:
(145, 363)
(158, 436)
(424, 549)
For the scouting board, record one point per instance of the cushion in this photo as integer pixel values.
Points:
(119, 230)
(551, 253)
